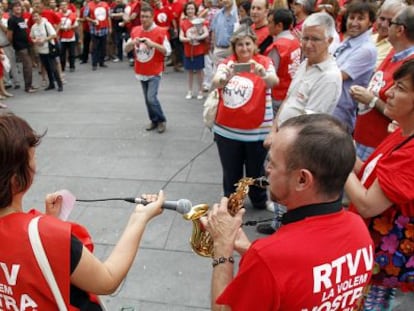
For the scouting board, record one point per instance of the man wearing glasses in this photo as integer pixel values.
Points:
(387, 11)
(371, 125)
(317, 84)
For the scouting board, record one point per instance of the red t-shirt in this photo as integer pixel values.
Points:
(199, 47)
(289, 60)
(371, 125)
(148, 61)
(242, 101)
(394, 170)
(262, 33)
(318, 263)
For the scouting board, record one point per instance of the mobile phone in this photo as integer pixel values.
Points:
(242, 67)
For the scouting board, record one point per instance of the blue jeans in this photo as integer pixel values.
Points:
(98, 50)
(150, 89)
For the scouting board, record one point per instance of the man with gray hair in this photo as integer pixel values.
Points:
(386, 12)
(316, 86)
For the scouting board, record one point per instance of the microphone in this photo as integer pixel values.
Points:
(182, 206)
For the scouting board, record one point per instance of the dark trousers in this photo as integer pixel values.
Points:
(237, 157)
(118, 38)
(67, 48)
(49, 63)
(98, 49)
(86, 44)
(26, 60)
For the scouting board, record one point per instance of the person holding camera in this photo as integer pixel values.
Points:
(150, 45)
(244, 115)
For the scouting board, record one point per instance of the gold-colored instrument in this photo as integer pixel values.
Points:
(201, 240)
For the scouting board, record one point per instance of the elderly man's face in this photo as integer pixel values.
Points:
(315, 44)
(383, 22)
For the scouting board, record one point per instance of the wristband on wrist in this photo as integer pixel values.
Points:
(217, 261)
(373, 102)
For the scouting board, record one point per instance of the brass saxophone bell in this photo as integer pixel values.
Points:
(201, 240)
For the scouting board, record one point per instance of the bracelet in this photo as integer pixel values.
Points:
(217, 261)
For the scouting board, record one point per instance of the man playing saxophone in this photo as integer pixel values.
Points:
(322, 256)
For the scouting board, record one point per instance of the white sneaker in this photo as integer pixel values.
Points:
(270, 206)
(189, 95)
(200, 95)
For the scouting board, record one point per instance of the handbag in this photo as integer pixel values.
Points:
(43, 262)
(53, 48)
(210, 108)
(5, 62)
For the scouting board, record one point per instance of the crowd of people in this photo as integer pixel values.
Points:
(317, 95)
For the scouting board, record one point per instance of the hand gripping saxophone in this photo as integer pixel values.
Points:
(201, 240)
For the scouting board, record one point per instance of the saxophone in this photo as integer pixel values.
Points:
(201, 240)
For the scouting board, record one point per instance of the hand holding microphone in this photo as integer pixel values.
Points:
(182, 206)
(153, 205)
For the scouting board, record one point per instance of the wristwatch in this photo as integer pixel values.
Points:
(373, 102)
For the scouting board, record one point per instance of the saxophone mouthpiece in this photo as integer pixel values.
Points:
(261, 182)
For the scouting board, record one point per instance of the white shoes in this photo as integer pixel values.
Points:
(270, 206)
(189, 95)
(200, 95)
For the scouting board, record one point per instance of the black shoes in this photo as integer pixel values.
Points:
(265, 229)
(50, 87)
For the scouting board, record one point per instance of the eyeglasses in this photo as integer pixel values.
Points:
(384, 19)
(312, 39)
(325, 6)
(396, 23)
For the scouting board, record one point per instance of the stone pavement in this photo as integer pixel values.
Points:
(96, 147)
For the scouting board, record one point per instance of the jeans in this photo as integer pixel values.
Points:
(280, 210)
(150, 89)
(98, 50)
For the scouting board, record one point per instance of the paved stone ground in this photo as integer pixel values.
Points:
(96, 147)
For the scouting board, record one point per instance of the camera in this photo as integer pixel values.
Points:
(242, 67)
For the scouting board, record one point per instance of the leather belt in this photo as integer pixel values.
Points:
(222, 46)
(3, 46)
